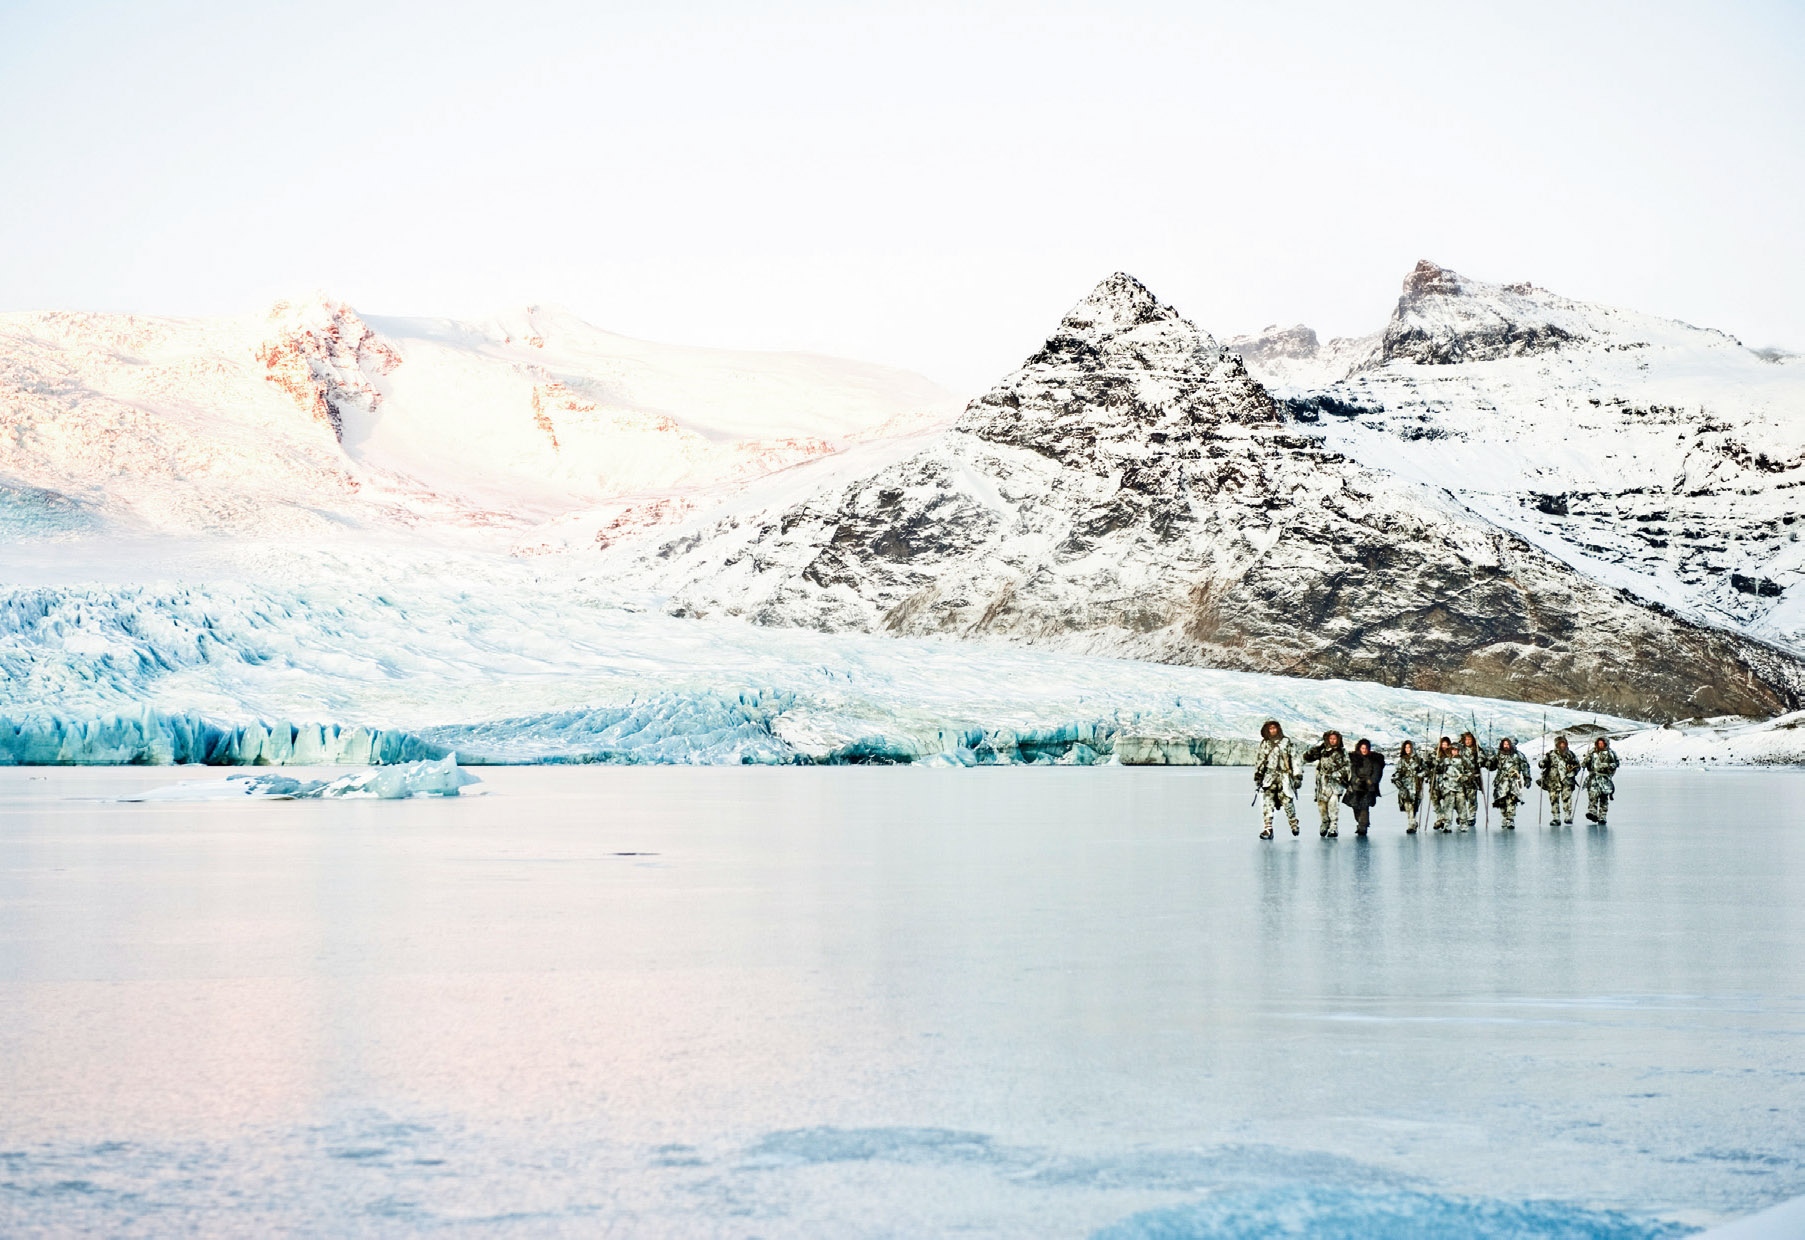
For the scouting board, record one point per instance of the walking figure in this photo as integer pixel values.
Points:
(1365, 768)
(1332, 776)
(1599, 766)
(1510, 782)
(1444, 782)
(1470, 759)
(1407, 778)
(1276, 776)
(1560, 772)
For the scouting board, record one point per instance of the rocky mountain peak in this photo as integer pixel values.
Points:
(1429, 279)
(1119, 303)
(1122, 372)
(1275, 342)
(1121, 325)
(1443, 318)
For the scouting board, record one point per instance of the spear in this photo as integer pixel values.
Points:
(1434, 756)
(1544, 759)
(1486, 797)
(1420, 818)
(1479, 770)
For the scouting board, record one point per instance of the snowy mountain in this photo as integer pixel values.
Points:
(309, 421)
(305, 536)
(1652, 455)
(1132, 490)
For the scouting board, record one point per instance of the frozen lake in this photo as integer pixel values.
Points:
(892, 1002)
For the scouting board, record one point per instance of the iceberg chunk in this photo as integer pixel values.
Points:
(440, 778)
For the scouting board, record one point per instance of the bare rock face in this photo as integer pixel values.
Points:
(1277, 343)
(1442, 319)
(325, 358)
(1132, 491)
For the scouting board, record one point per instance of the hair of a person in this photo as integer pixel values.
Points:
(1561, 741)
(1407, 746)
(1363, 742)
(1271, 728)
(1468, 736)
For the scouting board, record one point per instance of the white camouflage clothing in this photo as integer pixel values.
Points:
(1407, 775)
(1599, 766)
(1332, 776)
(1277, 775)
(1468, 783)
(1509, 784)
(1560, 774)
(1442, 785)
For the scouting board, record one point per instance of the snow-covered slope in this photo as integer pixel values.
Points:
(1650, 454)
(308, 420)
(1132, 491)
(1769, 742)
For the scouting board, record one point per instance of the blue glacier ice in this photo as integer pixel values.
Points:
(394, 662)
(441, 777)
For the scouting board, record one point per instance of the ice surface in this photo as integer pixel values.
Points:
(1026, 1002)
(1785, 1221)
(1372, 1214)
(442, 778)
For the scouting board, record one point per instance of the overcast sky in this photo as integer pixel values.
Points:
(919, 184)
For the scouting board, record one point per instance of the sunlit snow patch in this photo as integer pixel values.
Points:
(443, 778)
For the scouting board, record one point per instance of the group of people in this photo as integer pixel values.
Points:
(1446, 785)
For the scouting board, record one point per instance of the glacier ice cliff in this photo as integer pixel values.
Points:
(367, 660)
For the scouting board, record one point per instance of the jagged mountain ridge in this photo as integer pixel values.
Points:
(1132, 490)
(1663, 458)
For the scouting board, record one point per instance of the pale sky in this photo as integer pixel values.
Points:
(921, 184)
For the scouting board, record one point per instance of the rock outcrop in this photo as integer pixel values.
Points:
(325, 358)
(1441, 320)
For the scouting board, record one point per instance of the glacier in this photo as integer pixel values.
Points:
(355, 658)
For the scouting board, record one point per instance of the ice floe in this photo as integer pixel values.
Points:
(441, 778)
